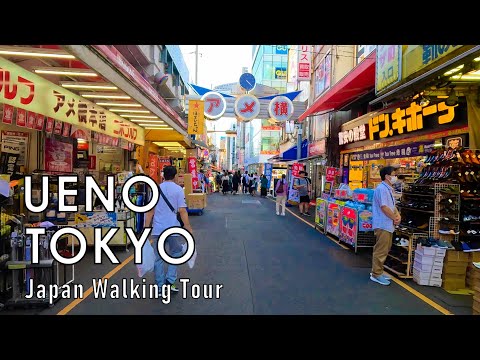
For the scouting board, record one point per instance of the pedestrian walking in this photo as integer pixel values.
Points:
(164, 218)
(281, 193)
(301, 184)
(263, 185)
(225, 180)
(235, 182)
(385, 217)
(246, 183)
(218, 181)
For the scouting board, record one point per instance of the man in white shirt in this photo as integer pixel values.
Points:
(164, 218)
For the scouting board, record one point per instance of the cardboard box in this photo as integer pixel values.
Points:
(457, 256)
(452, 285)
(446, 276)
(459, 268)
(431, 251)
(426, 275)
(196, 201)
(435, 269)
(187, 183)
(429, 282)
(476, 306)
(474, 256)
(428, 260)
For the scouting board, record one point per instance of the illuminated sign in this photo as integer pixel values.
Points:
(409, 120)
(281, 49)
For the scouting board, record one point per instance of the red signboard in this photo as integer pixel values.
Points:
(31, 117)
(7, 117)
(39, 121)
(331, 174)
(66, 130)
(192, 169)
(153, 166)
(49, 125)
(92, 162)
(57, 130)
(296, 168)
(112, 54)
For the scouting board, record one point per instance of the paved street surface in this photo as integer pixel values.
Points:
(267, 264)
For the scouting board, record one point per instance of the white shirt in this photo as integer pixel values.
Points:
(163, 217)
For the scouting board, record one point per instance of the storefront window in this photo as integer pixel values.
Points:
(268, 71)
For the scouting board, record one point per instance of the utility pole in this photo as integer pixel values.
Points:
(299, 141)
(196, 64)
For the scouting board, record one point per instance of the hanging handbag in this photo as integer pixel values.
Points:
(179, 218)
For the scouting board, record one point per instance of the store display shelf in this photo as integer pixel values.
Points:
(414, 194)
(398, 259)
(414, 209)
(401, 246)
(470, 198)
(398, 273)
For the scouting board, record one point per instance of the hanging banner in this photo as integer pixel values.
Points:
(348, 226)
(66, 130)
(268, 173)
(58, 156)
(153, 166)
(49, 125)
(31, 92)
(7, 117)
(79, 133)
(296, 168)
(39, 121)
(21, 119)
(196, 117)
(31, 117)
(304, 62)
(192, 169)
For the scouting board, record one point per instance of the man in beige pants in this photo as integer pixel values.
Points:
(385, 217)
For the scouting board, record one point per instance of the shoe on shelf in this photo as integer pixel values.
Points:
(457, 246)
(424, 226)
(380, 279)
(404, 242)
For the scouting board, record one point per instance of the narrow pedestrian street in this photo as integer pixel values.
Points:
(267, 265)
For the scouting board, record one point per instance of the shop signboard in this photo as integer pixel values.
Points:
(162, 162)
(358, 133)
(415, 118)
(304, 62)
(316, 148)
(281, 49)
(214, 105)
(26, 90)
(153, 166)
(394, 152)
(95, 219)
(50, 123)
(280, 73)
(21, 119)
(321, 213)
(280, 108)
(247, 107)
(418, 57)
(58, 156)
(333, 218)
(365, 220)
(388, 67)
(92, 162)
(292, 68)
(19, 137)
(348, 225)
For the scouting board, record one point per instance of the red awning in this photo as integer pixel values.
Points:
(359, 81)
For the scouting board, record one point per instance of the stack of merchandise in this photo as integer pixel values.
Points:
(427, 265)
(455, 270)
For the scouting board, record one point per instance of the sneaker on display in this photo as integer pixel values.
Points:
(404, 242)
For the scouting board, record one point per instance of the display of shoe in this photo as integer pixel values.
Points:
(423, 226)
(404, 242)
(457, 245)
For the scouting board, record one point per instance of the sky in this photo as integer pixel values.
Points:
(217, 65)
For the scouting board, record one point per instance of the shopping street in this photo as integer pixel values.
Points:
(292, 270)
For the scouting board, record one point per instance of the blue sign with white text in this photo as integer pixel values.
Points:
(281, 49)
(268, 173)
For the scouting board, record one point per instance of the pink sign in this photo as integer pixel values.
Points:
(331, 173)
(316, 148)
(21, 117)
(49, 126)
(192, 169)
(304, 62)
(58, 156)
(296, 168)
(7, 114)
(31, 117)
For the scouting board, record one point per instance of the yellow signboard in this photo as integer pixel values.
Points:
(417, 57)
(196, 117)
(25, 90)
(388, 66)
(408, 120)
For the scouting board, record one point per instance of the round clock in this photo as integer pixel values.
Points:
(247, 81)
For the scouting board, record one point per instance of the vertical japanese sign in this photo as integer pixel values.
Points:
(192, 169)
(195, 117)
(292, 68)
(304, 62)
(268, 173)
(7, 117)
(153, 166)
(49, 125)
(323, 75)
(92, 162)
(21, 119)
(58, 156)
(388, 66)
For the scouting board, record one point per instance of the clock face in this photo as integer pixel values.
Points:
(247, 81)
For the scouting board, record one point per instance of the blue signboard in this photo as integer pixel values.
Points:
(268, 173)
(281, 73)
(281, 49)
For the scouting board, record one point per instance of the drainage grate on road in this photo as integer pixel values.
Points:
(251, 202)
